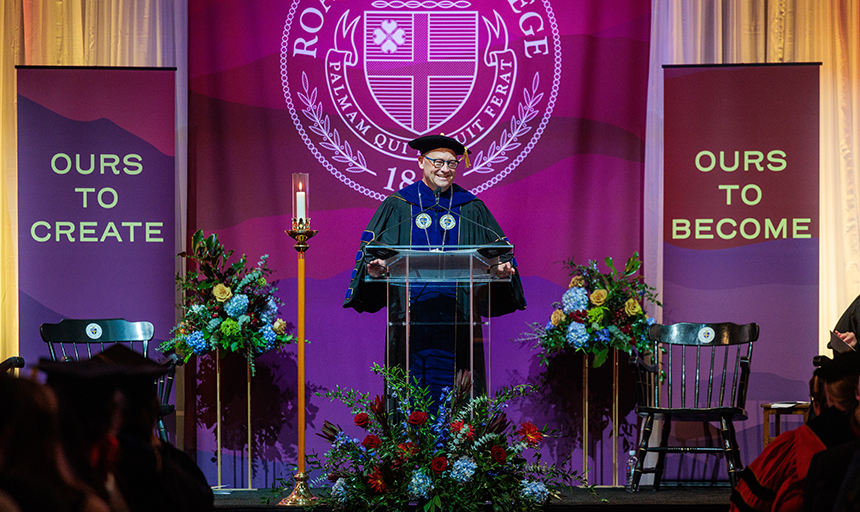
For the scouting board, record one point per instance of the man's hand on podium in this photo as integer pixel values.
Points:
(505, 270)
(376, 268)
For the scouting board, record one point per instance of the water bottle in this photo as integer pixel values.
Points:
(631, 465)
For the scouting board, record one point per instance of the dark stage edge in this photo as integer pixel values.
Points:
(699, 499)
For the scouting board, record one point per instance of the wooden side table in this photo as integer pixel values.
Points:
(777, 409)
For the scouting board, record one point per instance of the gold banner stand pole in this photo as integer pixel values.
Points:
(249, 427)
(218, 411)
(615, 415)
(585, 417)
(301, 495)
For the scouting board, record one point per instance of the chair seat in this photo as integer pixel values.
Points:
(704, 414)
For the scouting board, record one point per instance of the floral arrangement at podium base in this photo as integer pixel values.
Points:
(226, 306)
(598, 312)
(461, 457)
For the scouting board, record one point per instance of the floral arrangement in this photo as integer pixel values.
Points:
(597, 312)
(226, 306)
(460, 457)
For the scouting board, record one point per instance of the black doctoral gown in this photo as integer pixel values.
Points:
(415, 217)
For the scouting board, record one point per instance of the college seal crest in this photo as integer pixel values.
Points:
(363, 78)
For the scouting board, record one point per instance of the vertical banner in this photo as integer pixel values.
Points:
(95, 198)
(741, 216)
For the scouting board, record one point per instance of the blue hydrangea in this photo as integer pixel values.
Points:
(236, 306)
(534, 491)
(269, 312)
(463, 470)
(197, 343)
(340, 490)
(577, 335)
(602, 335)
(574, 299)
(270, 336)
(197, 309)
(549, 326)
(651, 321)
(420, 486)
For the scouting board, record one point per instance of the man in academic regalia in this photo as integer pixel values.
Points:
(434, 212)
(849, 323)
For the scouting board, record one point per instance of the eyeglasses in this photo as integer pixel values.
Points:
(438, 163)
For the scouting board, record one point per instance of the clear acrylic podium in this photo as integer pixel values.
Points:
(438, 300)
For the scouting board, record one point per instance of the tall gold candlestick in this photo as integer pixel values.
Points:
(301, 232)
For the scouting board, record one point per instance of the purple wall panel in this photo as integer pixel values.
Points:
(569, 186)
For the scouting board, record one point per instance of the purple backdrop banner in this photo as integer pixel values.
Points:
(741, 220)
(95, 198)
(549, 96)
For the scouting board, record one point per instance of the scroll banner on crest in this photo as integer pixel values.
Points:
(741, 215)
(95, 198)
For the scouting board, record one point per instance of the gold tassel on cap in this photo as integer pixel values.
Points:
(466, 156)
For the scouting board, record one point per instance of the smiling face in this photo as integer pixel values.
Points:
(434, 177)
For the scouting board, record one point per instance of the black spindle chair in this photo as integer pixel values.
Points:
(76, 340)
(704, 369)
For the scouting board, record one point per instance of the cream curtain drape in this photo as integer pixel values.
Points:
(756, 31)
(150, 33)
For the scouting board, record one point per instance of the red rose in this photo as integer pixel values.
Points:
(371, 441)
(499, 454)
(439, 464)
(362, 419)
(417, 418)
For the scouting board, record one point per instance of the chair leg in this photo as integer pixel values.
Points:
(730, 450)
(647, 425)
(735, 450)
(661, 456)
(162, 430)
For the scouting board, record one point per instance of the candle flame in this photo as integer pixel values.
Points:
(300, 186)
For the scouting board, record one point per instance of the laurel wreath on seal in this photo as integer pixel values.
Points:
(321, 125)
(356, 163)
(508, 141)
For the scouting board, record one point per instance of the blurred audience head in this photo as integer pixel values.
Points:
(840, 380)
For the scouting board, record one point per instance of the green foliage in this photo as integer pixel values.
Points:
(226, 306)
(454, 458)
(598, 312)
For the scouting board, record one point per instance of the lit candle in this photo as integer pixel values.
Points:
(300, 203)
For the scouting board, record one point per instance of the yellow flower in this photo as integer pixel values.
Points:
(632, 307)
(576, 281)
(279, 326)
(598, 297)
(221, 292)
(557, 316)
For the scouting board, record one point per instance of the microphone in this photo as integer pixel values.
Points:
(379, 249)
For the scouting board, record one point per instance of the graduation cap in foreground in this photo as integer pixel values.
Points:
(117, 362)
(843, 365)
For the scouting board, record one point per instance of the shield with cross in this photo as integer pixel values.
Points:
(420, 67)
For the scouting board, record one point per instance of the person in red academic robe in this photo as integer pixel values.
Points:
(775, 480)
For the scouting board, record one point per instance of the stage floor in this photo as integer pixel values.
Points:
(700, 499)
